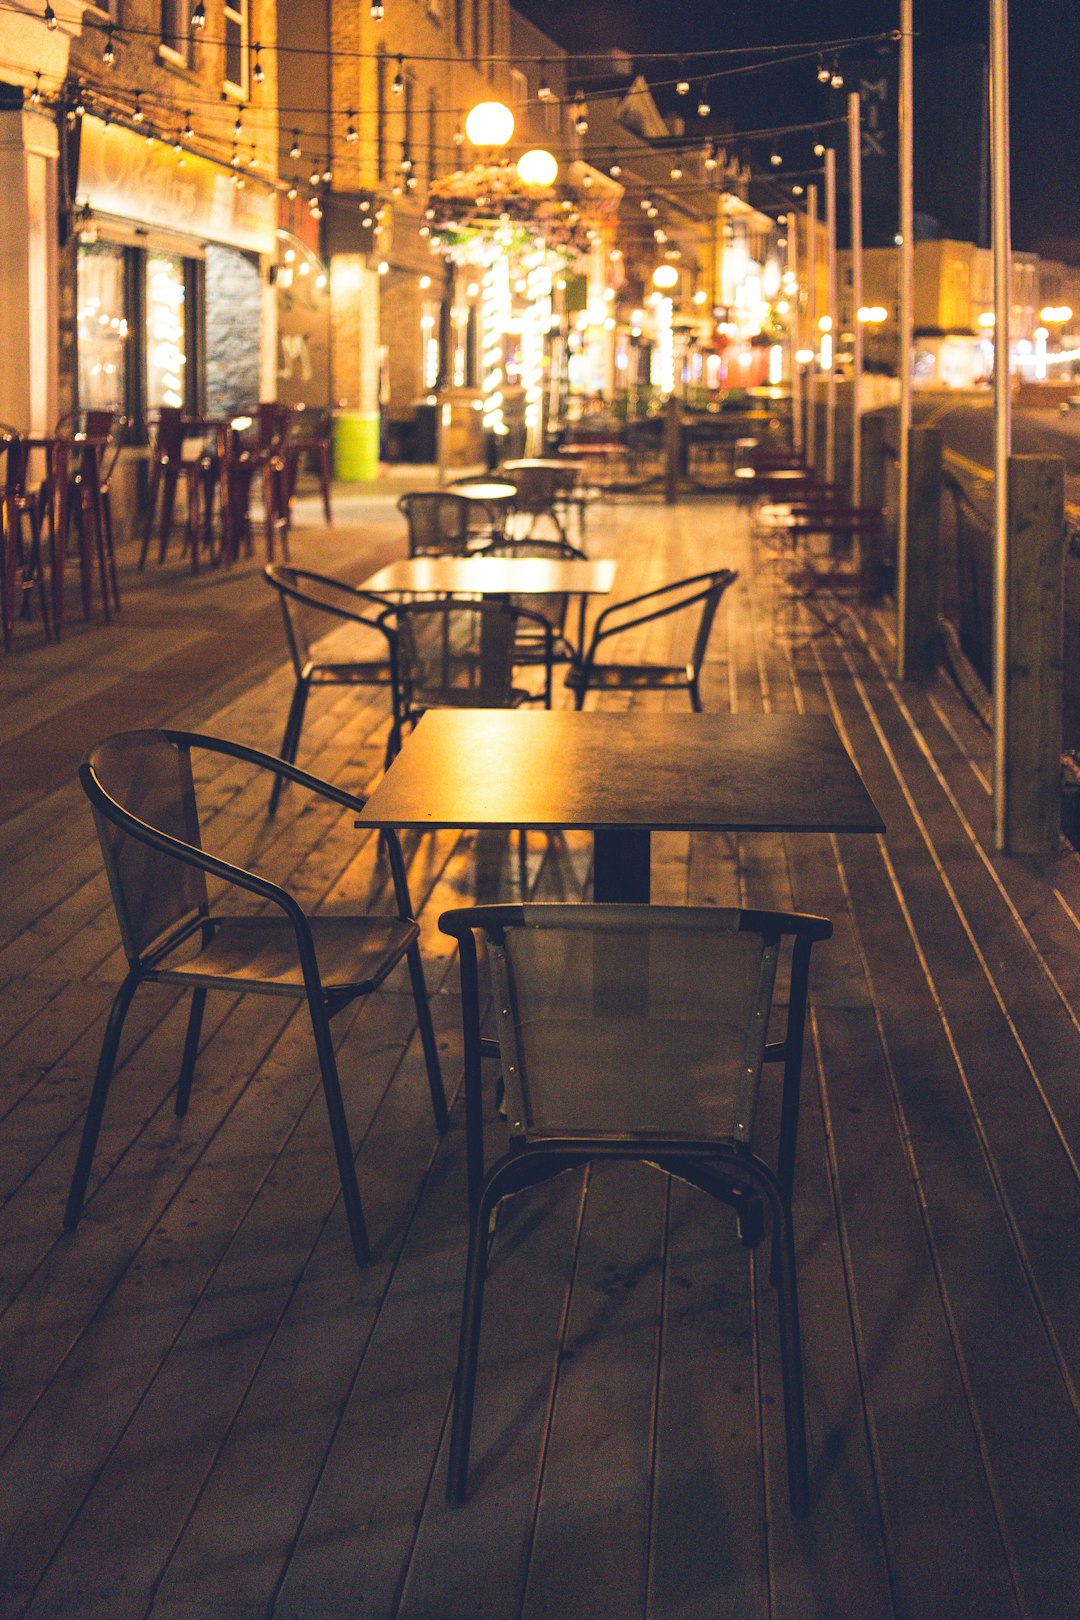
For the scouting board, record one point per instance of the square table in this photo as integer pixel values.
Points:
(497, 576)
(622, 776)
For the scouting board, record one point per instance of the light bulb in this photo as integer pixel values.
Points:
(50, 17)
(198, 16)
(682, 88)
(258, 73)
(108, 55)
(294, 149)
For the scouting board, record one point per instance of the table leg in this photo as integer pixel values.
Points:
(621, 865)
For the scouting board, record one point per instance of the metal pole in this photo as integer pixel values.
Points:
(795, 344)
(906, 322)
(1001, 238)
(834, 331)
(811, 314)
(855, 190)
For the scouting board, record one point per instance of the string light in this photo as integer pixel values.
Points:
(376, 10)
(294, 149)
(775, 159)
(80, 104)
(710, 156)
(328, 173)
(836, 78)
(823, 72)
(108, 54)
(703, 106)
(581, 113)
(682, 86)
(819, 149)
(351, 136)
(676, 170)
(50, 17)
(398, 86)
(137, 112)
(188, 132)
(198, 16)
(258, 73)
(35, 94)
(544, 92)
(615, 170)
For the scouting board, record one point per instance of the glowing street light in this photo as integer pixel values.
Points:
(537, 168)
(665, 276)
(490, 123)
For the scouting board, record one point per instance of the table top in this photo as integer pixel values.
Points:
(490, 490)
(494, 576)
(596, 770)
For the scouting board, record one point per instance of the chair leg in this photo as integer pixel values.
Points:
(324, 481)
(468, 1353)
(791, 1362)
(427, 1038)
(151, 504)
(339, 1132)
(96, 1109)
(291, 740)
(695, 695)
(168, 505)
(191, 1051)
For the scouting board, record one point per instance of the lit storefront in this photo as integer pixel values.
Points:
(173, 267)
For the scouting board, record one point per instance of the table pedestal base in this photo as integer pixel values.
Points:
(621, 866)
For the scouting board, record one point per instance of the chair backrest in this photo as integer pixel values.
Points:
(140, 783)
(438, 522)
(13, 446)
(641, 974)
(537, 487)
(309, 426)
(452, 653)
(698, 590)
(312, 604)
(169, 433)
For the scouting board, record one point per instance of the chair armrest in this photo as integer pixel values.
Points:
(267, 762)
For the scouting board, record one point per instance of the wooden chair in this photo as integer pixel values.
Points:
(635, 1033)
(22, 566)
(141, 787)
(701, 591)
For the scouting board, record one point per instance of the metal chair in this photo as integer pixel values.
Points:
(453, 653)
(540, 491)
(439, 522)
(529, 648)
(699, 590)
(308, 437)
(313, 606)
(634, 1032)
(141, 787)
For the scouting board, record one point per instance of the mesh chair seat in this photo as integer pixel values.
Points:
(259, 953)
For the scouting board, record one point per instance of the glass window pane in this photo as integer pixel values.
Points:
(166, 331)
(102, 327)
(234, 50)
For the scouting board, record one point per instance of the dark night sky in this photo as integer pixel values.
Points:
(1044, 61)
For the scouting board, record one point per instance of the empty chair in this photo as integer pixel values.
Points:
(530, 646)
(438, 522)
(541, 492)
(640, 1033)
(701, 591)
(313, 608)
(308, 439)
(141, 787)
(21, 560)
(168, 465)
(458, 654)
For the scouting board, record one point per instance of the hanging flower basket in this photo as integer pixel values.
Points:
(488, 205)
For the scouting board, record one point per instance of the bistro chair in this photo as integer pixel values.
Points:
(530, 647)
(457, 654)
(308, 438)
(701, 591)
(439, 522)
(640, 1033)
(313, 607)
(181, 452)
(141, 787)
(21, 558)
(540, 492)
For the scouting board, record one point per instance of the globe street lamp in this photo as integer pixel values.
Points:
(490, 123)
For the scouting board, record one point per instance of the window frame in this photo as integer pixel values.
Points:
(168, 53)
(237, 12)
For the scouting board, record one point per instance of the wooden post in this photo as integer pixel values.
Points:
(1030, 785)
(919, 586)
(672, 450)
(872, 487)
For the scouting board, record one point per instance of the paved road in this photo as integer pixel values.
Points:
(966, 423)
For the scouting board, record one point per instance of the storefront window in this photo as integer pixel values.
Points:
(102, 327)
(166, 331)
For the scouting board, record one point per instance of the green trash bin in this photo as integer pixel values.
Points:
(356, 446)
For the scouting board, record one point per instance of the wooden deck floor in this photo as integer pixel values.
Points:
(205, 1410)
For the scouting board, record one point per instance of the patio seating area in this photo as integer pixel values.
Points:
(207, 1409)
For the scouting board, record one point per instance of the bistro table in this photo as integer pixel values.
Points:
(622, 777)
(495, 495)
(496, 576)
